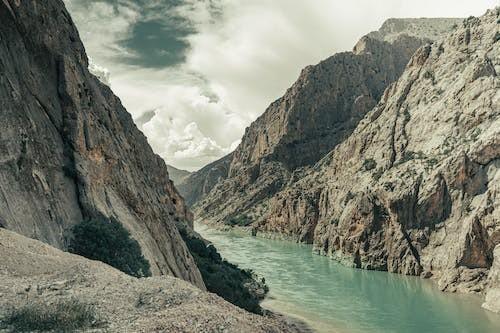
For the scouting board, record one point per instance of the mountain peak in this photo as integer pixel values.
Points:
(430, 28)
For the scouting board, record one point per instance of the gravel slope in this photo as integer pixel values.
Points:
(32, 271)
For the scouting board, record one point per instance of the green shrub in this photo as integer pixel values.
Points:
(240, 221)
(108, 241)
(410, 155)
(475, 134)
(237, 286)
(63, 316)
(432, 161)
(369, 164)
(377, 174)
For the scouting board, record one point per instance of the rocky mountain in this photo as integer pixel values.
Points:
(415, 188)
(198, 184)
(177, 175)
(35, 274)
(69, 150)
(432, 28)
(317, 113)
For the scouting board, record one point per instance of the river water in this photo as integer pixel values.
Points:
(334, 298)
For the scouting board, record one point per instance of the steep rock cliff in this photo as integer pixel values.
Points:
(415, 188)
(318, 112)
(68, 148)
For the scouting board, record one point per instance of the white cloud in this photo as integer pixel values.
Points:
(102, 25)
(183, 142)
(100, 72)
(256, 49)
(244, 54)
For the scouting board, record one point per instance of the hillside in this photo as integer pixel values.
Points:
(177, 175)
(35, 273)
(198, 184)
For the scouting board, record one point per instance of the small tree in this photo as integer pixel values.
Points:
(63, 316)
(240, 220)
(108, 241)
(369, 164)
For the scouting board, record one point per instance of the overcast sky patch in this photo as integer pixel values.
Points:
(197, 72)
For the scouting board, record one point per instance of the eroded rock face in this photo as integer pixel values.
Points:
(415, 188)
(492, 301)
(35, 273)
(68, 148)
(317, 113)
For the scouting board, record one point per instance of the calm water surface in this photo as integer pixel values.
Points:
(334, 298)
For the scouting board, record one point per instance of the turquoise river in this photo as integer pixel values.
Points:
(334, 298)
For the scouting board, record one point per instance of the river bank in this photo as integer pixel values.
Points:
(334, 298)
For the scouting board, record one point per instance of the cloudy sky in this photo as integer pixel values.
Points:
(195, 73)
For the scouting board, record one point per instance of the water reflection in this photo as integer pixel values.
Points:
(332, 297)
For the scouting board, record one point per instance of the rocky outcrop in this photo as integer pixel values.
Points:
(317, 113)
(35, 273)
(415, 188)
(432, 28)
(70, 151)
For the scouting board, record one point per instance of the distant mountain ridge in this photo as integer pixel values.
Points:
(177, 175)
(198, 184)
(432, 28)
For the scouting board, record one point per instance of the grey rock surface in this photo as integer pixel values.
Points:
(433, 28)
(68, 148)
(411, 187)
(492, 299)
(36, 273)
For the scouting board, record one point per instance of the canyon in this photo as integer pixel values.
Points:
(320, 110)
(383, 158)
(405, 183)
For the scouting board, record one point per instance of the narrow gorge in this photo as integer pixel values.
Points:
(405, 178)
(379, 160)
